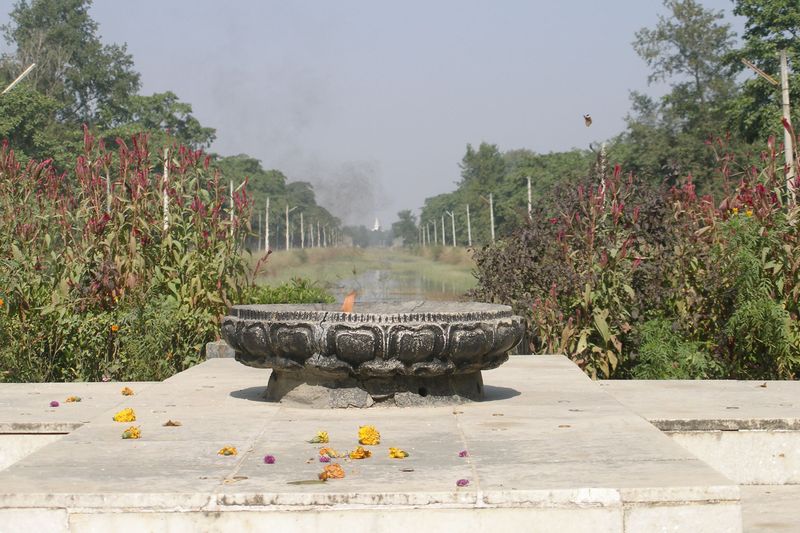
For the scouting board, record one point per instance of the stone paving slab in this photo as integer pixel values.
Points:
(771, 509)
(546, 439)
(702, 405)
(25, 407)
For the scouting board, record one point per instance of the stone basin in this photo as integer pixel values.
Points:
(407, 353)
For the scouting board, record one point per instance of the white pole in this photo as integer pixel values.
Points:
(529, 198)
(287, 226)
(491, 214)
(258, 241)
(787, 137)
(319, 239)
(266, 226)
(435, 234)
(231, 199)
(453, 223)
(302, 231)
(166, 189)
(324, 237)
(444, 237)
(19, 78)
(469, 229)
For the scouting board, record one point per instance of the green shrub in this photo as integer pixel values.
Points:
(299, 291)
(665, 354)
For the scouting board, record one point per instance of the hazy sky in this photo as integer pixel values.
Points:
(392, 91)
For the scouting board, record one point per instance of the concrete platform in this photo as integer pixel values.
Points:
(747, 430)
(27, 422)
(548, 450)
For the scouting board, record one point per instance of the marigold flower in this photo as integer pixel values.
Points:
(132, 433)
(2, 301)
(227, 450)
(463, 453)
(329, 452)
(397, 453)
(269, 459)
(114, 328)
(462, 483)
(735, 210)
(748, 213)
(126, 415)
(54, 404)
(360, 453)
(127, 391)
(320, 438)
(332, 471)
(368, 435)
(73, 399)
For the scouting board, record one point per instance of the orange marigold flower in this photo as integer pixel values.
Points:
(330, 452)
(332, 471)
(397, 453)
(360, 453)
(114, 328)
(73, 399)
(126, 415)
(132, 433)
(2, 301)
(127, 391)
(227, 450)
(368, 436)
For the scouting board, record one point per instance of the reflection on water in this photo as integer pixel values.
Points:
(389, 286)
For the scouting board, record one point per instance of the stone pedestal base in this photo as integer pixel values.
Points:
(303, 390)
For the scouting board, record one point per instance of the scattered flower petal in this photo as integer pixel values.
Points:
(172, 423)
(73, 399)
(320, 438)
(227, 450)
(132, 433)
(397, 453)
(463, 453)
(126, 415)
(360, 453)
(368, 436)
(269, 459)
(54, 404)
(127, 391)
(462, 482)
(324, 459)
(332, 471)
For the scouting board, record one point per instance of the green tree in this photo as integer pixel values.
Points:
(687, 48)
(73, 66)
(406, 228)
(770, 26)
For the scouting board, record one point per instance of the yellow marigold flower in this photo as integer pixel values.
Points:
(360, 453)
(749, 213)
(368, 436)
(227, 450)
(132, 433)
(126, 415)
(114, 328)
(735, 210)
(333, 471)
(397, 453)
(127, 391)
(73, 399)
(320, 438)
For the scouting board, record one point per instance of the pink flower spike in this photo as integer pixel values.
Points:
(324, 459)
(54, 404)
(463, 453)
(269, 459)
(462, 482)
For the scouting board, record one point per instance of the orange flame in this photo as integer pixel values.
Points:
(349, 302)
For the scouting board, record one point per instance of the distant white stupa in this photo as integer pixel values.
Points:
(377, 225)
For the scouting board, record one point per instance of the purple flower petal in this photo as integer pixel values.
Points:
(269, 459)
(463, 453)
(462, 482)
(324, 459)
(54, 404)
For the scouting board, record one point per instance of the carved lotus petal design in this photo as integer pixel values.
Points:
(379, 340)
